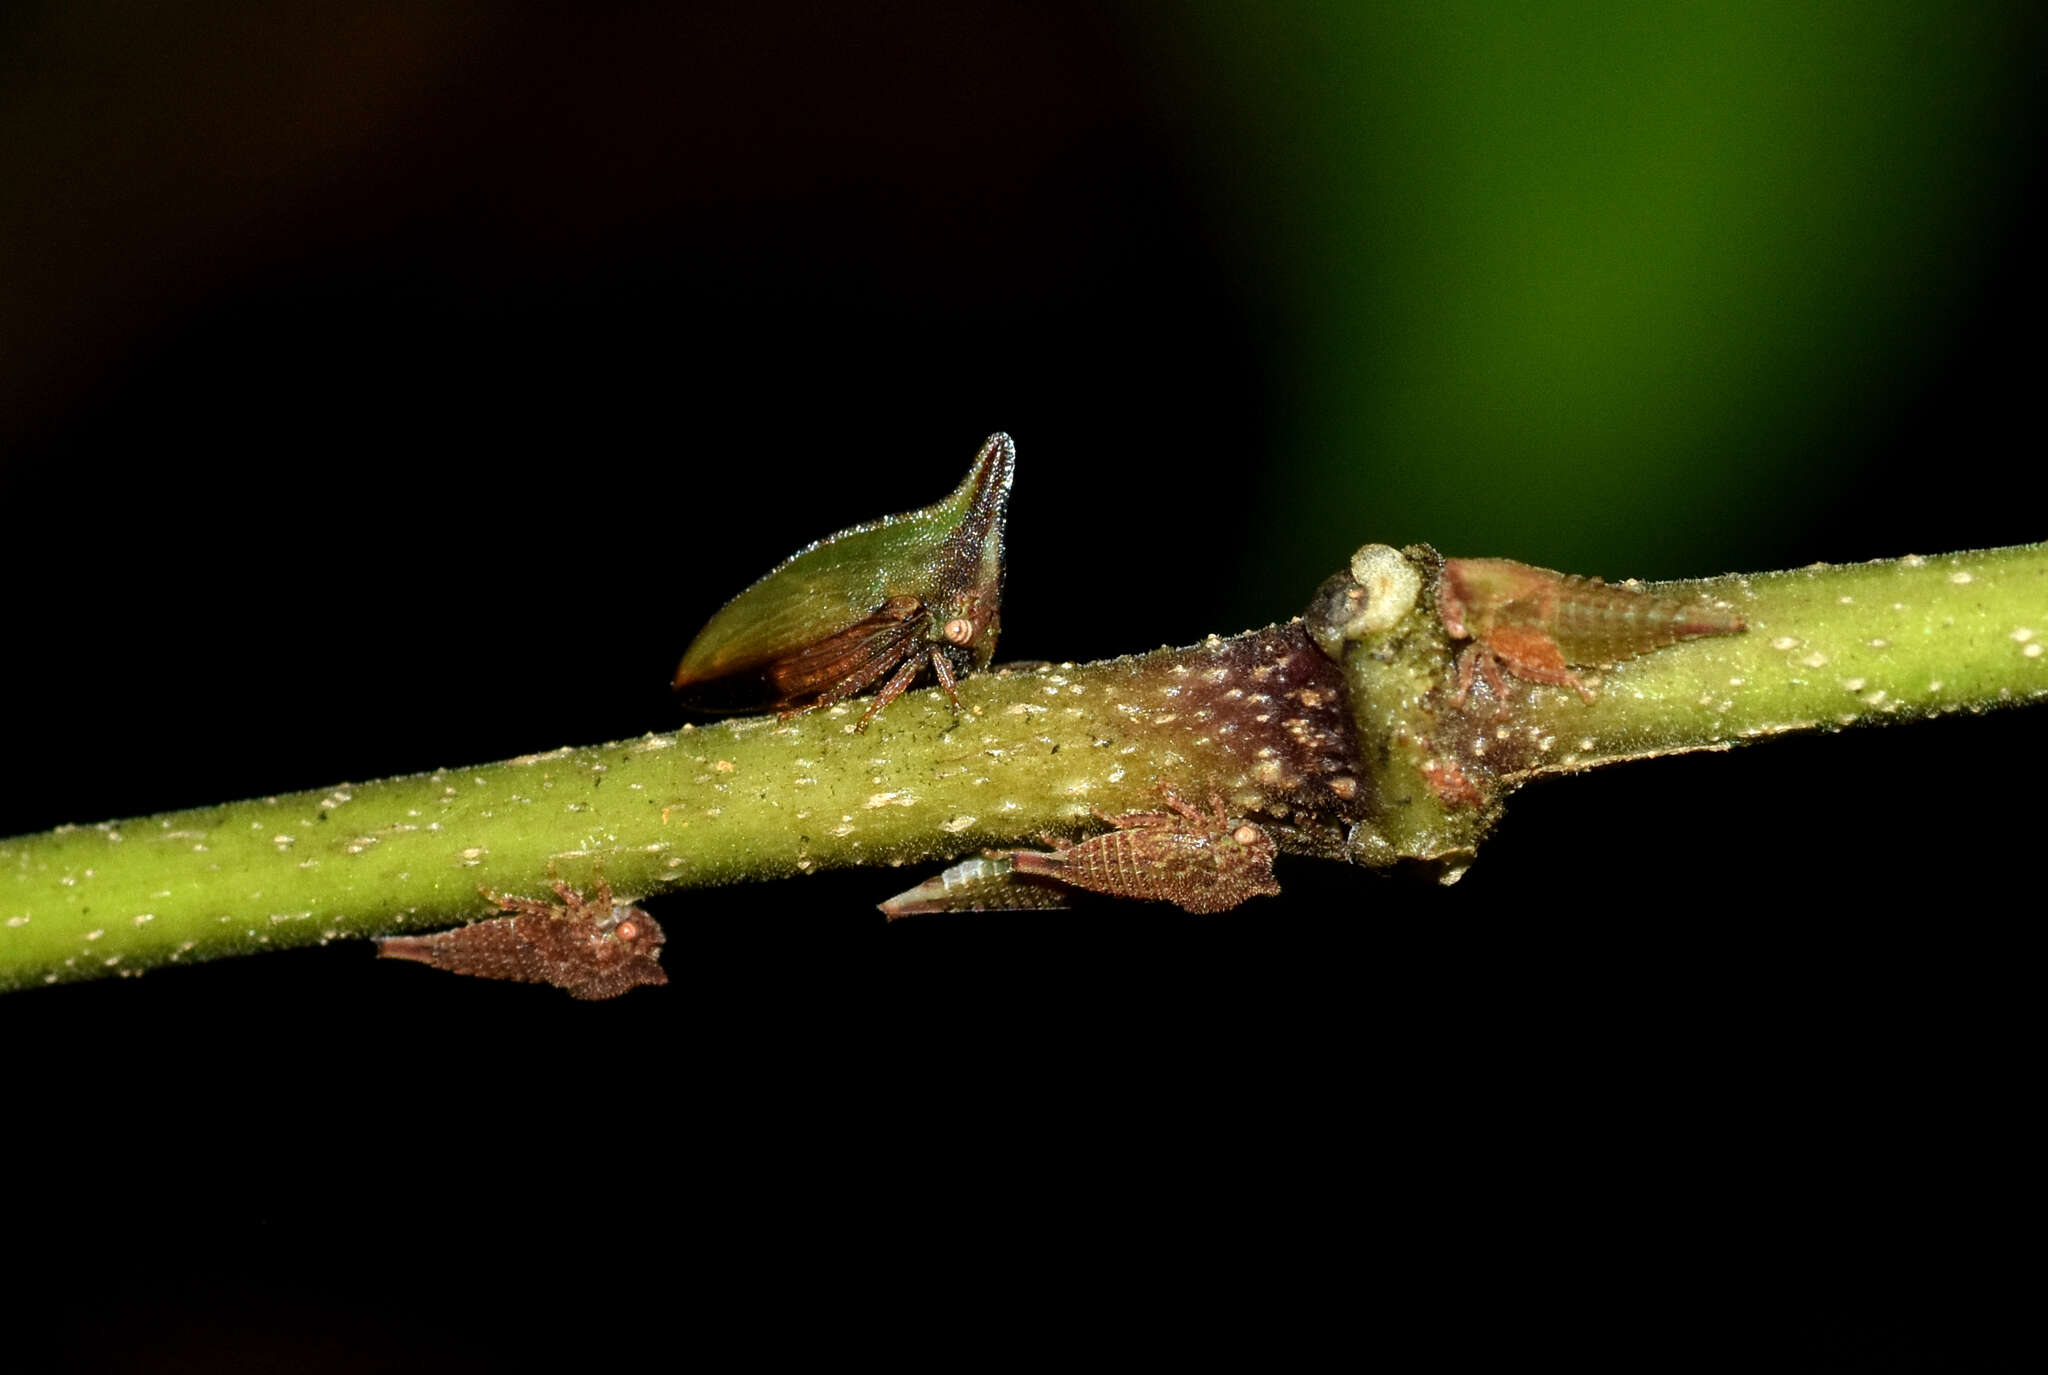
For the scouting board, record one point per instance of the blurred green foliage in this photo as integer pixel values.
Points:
(1614, 287)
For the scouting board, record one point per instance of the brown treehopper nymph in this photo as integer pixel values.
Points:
(1536, 624)
(879, 603)
(592, 949)
(1200, 863)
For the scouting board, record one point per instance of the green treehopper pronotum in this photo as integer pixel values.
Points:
(879, 603)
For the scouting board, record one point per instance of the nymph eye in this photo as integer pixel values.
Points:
(959, 630)
(627, 931)
(1245, 834)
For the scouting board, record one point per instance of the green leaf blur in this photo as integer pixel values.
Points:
(1605, 286)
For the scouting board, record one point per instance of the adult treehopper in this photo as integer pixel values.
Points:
(879, 603)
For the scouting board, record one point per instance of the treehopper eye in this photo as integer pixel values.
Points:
(876, 604)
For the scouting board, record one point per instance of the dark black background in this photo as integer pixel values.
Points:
(406, 396)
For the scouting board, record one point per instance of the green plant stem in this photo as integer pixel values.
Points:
(1826, 647)
(755, 798)
(1262, 720)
